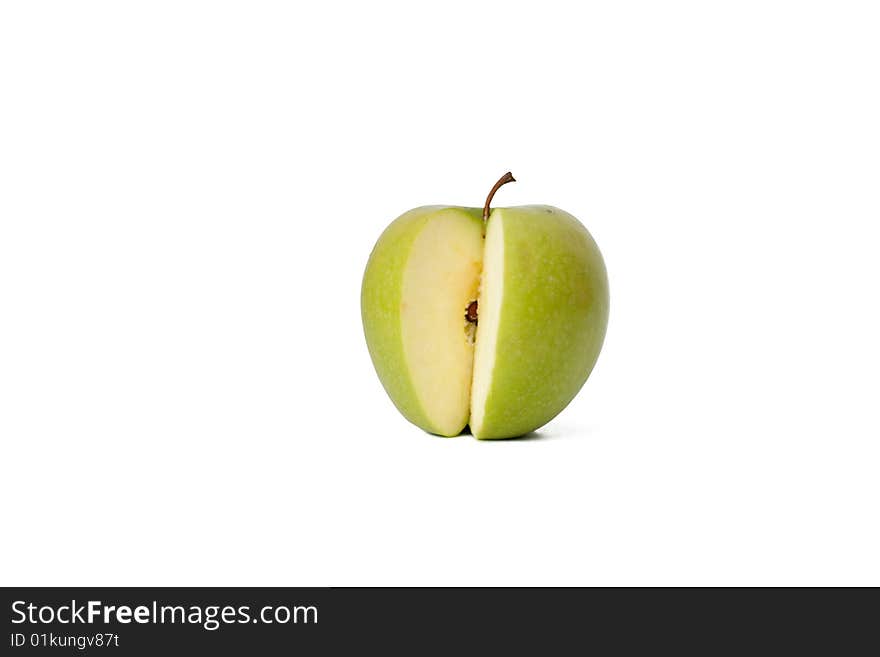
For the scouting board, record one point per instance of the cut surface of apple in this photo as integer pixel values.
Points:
(541, 309)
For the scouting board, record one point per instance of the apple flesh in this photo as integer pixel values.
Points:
(541, 310)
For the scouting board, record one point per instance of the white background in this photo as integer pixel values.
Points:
(188, 196)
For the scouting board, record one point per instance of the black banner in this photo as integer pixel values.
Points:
(151, 621)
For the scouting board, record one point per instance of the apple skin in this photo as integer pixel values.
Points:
(381, 297)
(554, 313)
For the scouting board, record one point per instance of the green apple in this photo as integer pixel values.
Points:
(488, 318)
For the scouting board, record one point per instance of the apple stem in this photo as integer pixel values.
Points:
(503, 180)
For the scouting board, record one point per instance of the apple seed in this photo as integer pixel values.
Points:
(471, 312)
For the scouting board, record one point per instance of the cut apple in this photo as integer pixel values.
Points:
(422, 275)
(543, 313)
(498, 332)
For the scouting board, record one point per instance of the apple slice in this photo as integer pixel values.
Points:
(543, 309)
(420, 280)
